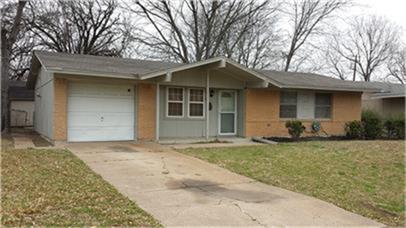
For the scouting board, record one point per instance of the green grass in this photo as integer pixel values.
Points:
(55, 188)
(365, 177)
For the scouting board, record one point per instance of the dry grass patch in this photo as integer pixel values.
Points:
(55, 188)
(365, 177)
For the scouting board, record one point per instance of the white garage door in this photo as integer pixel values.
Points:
(100, 112)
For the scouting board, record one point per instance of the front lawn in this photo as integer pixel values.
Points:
(365, 177)
(55, 188)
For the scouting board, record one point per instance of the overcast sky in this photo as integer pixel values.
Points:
(394, 10)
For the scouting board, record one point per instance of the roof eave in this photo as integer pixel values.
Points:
(329, 88)
(388, 96)
(94, 73)
(35, 65)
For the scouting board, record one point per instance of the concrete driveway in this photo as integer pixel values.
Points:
(179, 190)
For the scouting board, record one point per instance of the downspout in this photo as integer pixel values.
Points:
(207, 104)
(157, 113)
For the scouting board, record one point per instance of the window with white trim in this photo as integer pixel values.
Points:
(175, 101)
(323, 106)
(288, 105)
(196, 103)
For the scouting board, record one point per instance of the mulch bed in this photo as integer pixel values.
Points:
(307, 138)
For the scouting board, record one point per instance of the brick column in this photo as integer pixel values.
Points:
(60, 109)
(146, 111)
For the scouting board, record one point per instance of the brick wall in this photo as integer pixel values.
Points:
(146, 117)
(60, 109)
(262, 113)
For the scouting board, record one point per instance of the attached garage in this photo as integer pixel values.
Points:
(100, 112)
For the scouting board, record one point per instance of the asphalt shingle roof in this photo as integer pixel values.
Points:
(388, 89)
(316, 81)
(100, 64)
(18, 91)
(133, 67)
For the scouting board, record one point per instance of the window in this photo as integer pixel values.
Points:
(288, 105)
(196, 103)
(175, 102)
(323, 106)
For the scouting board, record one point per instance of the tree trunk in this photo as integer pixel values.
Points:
(287, 64)
(5, 65)
(7, 42)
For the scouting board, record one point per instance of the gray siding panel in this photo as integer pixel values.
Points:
(178, 127)
(197, 78)
(44, 100)
(188, 128)
(240, 113)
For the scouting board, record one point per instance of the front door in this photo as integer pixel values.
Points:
(227, 112)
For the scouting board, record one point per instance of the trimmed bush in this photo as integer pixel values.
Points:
(295, 128)
(354, 129)
(395, 127)
(372, 124)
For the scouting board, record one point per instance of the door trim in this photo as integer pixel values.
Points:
(220, 112)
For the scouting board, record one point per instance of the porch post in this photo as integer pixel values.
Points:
(157, 113)
(207, 104)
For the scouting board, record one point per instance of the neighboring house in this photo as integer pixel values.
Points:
(21, 104)
(92, 98)
(390, 101)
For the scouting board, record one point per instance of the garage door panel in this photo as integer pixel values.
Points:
(100, 90)
(103, 133)
(99, 112)
(86, 104)
(102, 119)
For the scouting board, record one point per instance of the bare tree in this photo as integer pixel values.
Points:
(9, 33)
(397, 65)
(258, 46)
(84, 26)
(255, 50)
(367, 44)
(335, 64)
(190, 31)
(306, 18)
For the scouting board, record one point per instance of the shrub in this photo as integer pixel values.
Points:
(295, 128)
(395, 127)
(372, 124)
(354, 129)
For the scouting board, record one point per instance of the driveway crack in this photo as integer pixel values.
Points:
(108, 161)
(249, 215)
(164, 168)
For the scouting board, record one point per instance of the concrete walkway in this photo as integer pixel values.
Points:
(26, 138)
(179, 190)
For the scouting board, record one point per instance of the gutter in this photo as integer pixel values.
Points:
(59, 70)
(331, 89)
(388, 96)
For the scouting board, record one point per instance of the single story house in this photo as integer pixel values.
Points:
(93, 98)
(21, 103)
(390, 101)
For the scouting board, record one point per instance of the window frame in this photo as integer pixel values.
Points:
(173, 101)
(189, 102)
(280, 104)
(330, 106)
